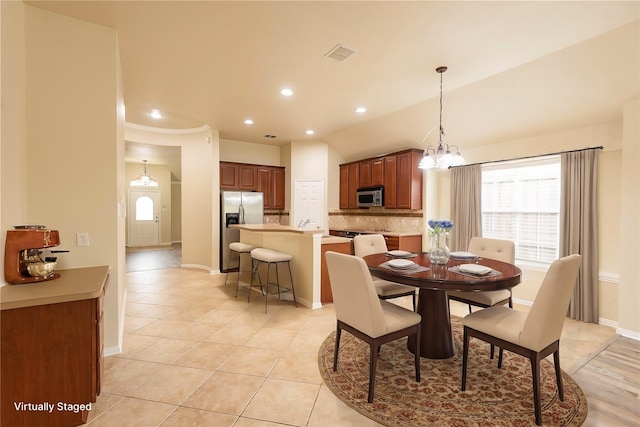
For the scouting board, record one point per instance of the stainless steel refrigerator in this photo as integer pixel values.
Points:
(237, 207)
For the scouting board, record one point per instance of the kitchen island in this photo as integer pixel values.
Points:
(304, 245)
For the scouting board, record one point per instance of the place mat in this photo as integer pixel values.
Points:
(492, 273)
(413, 269)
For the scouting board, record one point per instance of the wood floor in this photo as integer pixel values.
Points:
(611, 382)
(610, 379)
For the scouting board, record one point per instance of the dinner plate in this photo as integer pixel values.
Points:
(401, 263)
(400, 254)
(480, 270)
(463, 255)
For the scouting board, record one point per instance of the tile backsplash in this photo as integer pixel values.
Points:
(375, 219)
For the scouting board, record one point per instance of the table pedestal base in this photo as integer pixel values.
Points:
(436, 339)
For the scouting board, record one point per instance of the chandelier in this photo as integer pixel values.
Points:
(441, 157)
(144, 179)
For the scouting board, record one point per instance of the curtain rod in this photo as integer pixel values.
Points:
(600, 147)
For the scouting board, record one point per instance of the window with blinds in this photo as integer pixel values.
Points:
(521, 202)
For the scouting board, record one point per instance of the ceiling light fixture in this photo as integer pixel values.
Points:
(310, 132)
(144, 179)
(286, 92)
(440, 157)
(248, 122)
(155, 114)
(361, 110)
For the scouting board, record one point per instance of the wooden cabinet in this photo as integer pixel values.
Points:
(269, 180)
(397, 172)
(325, 284)
(277, 187)
(404, 243)
(229, 176)
(389, 182)
(344, 187)
(364, 174)
(377, 172)
(53, 353)
(271, 184)
(409, 180)
(247, 177)
(354, 184)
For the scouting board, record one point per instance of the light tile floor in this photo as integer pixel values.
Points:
(194, 355)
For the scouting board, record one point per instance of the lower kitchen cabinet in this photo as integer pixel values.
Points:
(404, 243)
(52, 353)
(326, 295)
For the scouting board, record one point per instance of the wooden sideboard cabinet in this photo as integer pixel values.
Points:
(52, 349)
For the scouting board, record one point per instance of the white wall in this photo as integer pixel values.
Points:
(62, 88)
(248, 152)
(200, 189)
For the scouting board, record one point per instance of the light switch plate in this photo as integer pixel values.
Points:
(82, 239)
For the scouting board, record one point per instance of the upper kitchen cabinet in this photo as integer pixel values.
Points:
(397, 172)
(377, 172)
(229, 176)
(247, 177)
(271, 183)
(409, 180)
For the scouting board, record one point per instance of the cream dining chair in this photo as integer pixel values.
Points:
(360, 312)
(502, 250)
(534, 335)
(368, 244)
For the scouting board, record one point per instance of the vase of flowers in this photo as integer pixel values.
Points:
(439, 241)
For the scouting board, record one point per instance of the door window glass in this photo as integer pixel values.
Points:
(144, 209)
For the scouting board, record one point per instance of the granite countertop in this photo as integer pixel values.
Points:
(73, 285)
(334, 239)
(275, 228)
(384, 233)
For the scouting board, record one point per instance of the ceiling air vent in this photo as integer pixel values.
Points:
(269, 136)
(339, 53)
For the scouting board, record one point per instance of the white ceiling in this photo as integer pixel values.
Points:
(515, 68)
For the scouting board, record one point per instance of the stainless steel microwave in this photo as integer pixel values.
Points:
(370, 196)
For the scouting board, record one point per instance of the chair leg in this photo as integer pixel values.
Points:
(228, 263)
(293, 290)
(337, 346)
(500, 358)
(556, 363)
(535, 372)
(416, 359)
(465, 353)
(470, 311)
(415, 305)
(493, 348)
(374, 347)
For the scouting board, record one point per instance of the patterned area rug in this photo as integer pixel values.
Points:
(494, 397)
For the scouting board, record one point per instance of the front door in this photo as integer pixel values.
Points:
(144, 217)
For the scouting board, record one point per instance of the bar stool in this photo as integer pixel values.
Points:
(271, 257)
(240, 248)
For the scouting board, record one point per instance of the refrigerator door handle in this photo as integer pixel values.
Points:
(241, 213)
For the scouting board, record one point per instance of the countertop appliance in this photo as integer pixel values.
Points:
(237, 207)
(370, 196)
(23, 262)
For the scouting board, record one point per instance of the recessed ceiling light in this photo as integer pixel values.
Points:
(155, 114)
(310, 132)
(361, 110)
(248, 122)
(286, 92)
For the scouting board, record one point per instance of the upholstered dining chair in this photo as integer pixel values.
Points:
(502, 250)
(534, 335)
(368, 244)
(360, 312)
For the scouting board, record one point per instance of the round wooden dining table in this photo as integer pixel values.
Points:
(436, 341)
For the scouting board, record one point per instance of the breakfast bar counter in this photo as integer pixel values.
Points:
(304, 245)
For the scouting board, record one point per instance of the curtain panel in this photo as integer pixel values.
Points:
(579, 228)
(466, 196)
